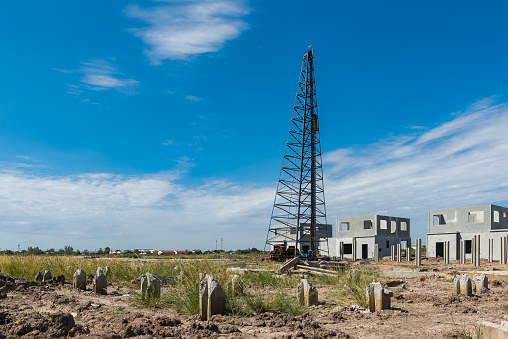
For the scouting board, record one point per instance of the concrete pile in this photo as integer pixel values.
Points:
(212, 299)
(38, 277)
(46, 276)
(236, 284)
(150, 286)
(462, 285)
(306, 293)
(480, 282)
(100, 282)
(378, 298)
(79, 280)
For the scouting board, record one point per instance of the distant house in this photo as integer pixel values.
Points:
(458, 226)
(357, 236)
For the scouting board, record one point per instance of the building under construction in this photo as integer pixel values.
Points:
(298, 218)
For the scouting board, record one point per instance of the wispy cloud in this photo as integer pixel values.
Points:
(99, 75)
(458, 163)
(193, 98)
(181, 29)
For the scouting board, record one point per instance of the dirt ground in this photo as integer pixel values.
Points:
(422, 307)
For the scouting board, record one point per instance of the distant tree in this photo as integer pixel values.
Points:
(61, 251)
(100, 251)
(8, 252)
(136, 252)
(86, 252)
(50, 250)
(77, 252)
(33, 251)
(107, 250)
(68, 249)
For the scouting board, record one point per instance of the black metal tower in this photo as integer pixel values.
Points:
(299, 214)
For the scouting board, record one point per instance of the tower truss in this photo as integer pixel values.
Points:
(299, 214)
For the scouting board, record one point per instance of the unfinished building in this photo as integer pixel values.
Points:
(452, 229)
(357, 237)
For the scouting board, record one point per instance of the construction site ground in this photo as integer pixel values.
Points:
(422, 307)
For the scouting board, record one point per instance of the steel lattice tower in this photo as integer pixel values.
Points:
(299, 214)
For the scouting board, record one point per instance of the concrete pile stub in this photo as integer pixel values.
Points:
(212, 299)
(408, 250)
(107, 272)
(418, 252)
(480, 282)
(446, 252)
(38, 276)
(236, 284)
(100, 282)
(79, 280)
(392, 248)
(307, 294)
(475, 251)
(504, 254)
(376, 252)
(399, 253)
(462, 285)
(150, 286)
(462, 252)
(46, 276)
(378, 298)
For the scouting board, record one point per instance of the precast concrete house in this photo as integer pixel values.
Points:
(357, 236)
(456, 227)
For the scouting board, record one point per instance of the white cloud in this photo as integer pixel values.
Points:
(101, 75)
(181, 29)
(458, 163)
(98, 75)
(192, 98)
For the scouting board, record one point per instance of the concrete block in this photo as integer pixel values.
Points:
(38, 276)
(150, 286)
(79, 280)
(100, 283)
(212, 299)
(492, 330)
(99, 271)
(46, 276)
(479, 282)
(378, 298)
(306, 293)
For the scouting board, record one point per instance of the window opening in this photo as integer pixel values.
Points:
(367, 224)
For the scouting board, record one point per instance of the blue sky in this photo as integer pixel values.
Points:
(163, 123)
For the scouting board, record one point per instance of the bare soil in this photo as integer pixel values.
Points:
(422, 307)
